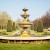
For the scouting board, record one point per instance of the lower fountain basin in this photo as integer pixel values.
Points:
(24, 38)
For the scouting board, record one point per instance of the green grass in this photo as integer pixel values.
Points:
(25, 46)
(39, 33)
(10, 33)
(32, 32)
(16, 31)
(1, 30)
(48, 32)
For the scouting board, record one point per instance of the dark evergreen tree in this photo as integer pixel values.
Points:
(32, 27)
(9, 26)
(40, 26)
(35, 26)
(14, 27)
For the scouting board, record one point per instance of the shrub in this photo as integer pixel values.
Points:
(40, 26)
(3, 33)
(9, 26)
(32, 27)
(35, 26)
(14, 27)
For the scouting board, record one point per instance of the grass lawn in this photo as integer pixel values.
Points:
(10, 33)
(25, 46)
(16, 31)
(39, 33)
(2, 30)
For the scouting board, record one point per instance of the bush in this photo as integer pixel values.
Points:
(9, 26)
(32, 27)
(40, 26)
(35, 26)
(3, 33)
(14, 27)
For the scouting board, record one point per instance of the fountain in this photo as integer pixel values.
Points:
(25, 24)
(25, 35)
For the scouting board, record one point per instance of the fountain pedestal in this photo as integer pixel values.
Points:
(25, 24)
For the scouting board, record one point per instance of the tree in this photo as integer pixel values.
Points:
(4, 17)
(35, 24)
(32, 27)
(46, 20)
(40, 26)
(14, 27)
(9, 26)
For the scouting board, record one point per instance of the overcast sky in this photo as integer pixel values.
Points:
(36, 8)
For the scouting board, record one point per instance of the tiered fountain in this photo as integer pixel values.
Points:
(25, 36)
(25, 24)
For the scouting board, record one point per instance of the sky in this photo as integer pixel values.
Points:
(36, 8)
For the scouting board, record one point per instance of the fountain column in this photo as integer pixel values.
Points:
(25, 24)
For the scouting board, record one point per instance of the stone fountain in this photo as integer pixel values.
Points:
(25, 24)
(25, 36)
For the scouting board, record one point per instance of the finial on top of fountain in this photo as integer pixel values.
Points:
(25, 9)
(25, 15)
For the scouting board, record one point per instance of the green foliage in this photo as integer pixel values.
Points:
(35, 26)
(46, 19)
(32, 27)
(25, 46)
(4, 17)
(3, 32)
(9, 26)
(40, 26)
(14, 27)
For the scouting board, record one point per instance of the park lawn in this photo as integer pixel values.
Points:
(39, 33)
(25, 46)
(10, 33)
(48, 32)
(2, 30)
